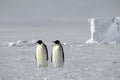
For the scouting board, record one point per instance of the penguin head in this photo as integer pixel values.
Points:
(56, 42)
(39, 42)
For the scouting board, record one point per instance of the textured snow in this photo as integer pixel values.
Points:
(19, 43)
(22, 22)
(28, 43)
(82, 61)
(89, 62)
(104, 30)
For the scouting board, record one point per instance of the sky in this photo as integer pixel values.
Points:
(55, 13)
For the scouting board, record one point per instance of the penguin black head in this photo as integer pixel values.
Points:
(56, 42)
(39, 42)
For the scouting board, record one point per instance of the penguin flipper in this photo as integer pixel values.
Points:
(46, 52)
(63, 54)
(51, 57)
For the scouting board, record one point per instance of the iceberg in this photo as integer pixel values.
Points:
(104, 30)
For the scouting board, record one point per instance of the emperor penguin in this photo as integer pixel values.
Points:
(41, 54)
(57, 57)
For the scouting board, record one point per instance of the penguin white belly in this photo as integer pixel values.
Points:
(41, 56)
(57, 57)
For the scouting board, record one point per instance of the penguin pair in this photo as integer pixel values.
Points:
(57, 56)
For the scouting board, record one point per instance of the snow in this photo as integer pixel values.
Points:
(89, 62)
(104, 30)
(23, 22)
(82, 61)
(20, 43)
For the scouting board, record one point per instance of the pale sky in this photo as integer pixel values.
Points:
(55, 12)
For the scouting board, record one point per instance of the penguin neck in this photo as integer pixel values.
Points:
(40, 45)
(57, 44)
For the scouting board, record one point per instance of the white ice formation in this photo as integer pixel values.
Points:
(20, 43)
(104, 30)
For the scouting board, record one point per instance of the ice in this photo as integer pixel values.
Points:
(23, 22)
(30, 43)
(64, 44)
(104, 30)
(11, 44)
(20, 43)
(82, 61)
(91, 62)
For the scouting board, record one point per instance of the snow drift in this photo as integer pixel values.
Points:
(20, 43)
(104, 30)
(30, 43)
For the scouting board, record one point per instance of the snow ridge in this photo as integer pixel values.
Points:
(28, 43)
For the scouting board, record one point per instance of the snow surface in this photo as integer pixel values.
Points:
(82, 62)
(22, 22)
(20, 43)
(104, 30)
